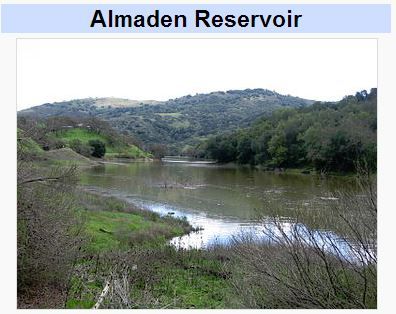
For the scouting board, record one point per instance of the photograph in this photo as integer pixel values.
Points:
(196, 173)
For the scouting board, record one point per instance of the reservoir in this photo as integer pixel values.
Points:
(223, 201)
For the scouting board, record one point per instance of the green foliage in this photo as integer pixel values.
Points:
(327, 136)
(78, 139)
(98, 148)
(27, 148)
(177, 122)
(277, 149)
(79, 304)
(60, 132)
(222, 149)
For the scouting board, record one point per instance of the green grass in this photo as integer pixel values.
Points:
(79, 304)
(172, 279)
(190, 289)
(31, 146)
(119, 227)
(81, 134)
(191, 280)
(112, 150)
(176, 279)
(111, 222)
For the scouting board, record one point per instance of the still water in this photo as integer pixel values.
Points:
(223, 201)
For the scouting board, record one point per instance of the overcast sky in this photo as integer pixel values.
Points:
(52, 70)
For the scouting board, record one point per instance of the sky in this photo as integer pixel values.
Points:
(50, 70)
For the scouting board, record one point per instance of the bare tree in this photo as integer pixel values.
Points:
(297, 267)
(49, 230)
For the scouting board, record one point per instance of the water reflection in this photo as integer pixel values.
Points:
(223, 201)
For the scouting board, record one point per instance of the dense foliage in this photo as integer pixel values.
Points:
(98, 148)
(326, 136)
(179, 123)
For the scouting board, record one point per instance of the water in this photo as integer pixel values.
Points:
(224, 201)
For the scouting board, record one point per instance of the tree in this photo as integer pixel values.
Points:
(49, 230)
(99, 148)
(158, 150)
(222, 148)
(245, 152)
(327, 136)
(278, 150)
(295, 266)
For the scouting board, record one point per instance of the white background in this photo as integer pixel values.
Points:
(386, 149)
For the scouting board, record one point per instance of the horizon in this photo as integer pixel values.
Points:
(53, 70)
(216, 91)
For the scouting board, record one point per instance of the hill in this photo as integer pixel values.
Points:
(83, 135)
(179, 123)
(327, 136)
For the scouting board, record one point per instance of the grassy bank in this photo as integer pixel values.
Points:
(94, 238)
(125, 248)
(117, 232)
(111, 224)
(73, 243)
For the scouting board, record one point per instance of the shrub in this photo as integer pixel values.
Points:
(58, 143)
(81, 148)
(49, 232)
(296, 267)
(99, 148)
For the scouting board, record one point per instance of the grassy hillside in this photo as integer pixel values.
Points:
(78, 134)
(179, 123)
(112, 149)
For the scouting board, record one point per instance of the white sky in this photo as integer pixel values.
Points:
(50, 70)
